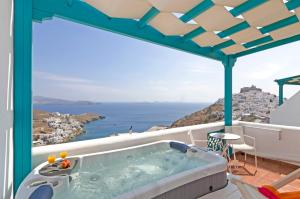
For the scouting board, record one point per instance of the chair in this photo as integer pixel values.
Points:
(246, 143)
(251, 192)
(193, 141)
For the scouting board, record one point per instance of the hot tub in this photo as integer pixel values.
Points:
(165, 169)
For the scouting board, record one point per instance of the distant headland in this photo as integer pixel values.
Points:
(41, 100)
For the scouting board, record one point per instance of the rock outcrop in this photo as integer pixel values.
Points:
(251, 104)
(54, 128)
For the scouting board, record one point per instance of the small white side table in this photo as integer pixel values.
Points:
(226, 137)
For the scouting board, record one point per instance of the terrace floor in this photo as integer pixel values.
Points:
(268, 171)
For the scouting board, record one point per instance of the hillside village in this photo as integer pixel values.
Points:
(54, 128)
(251, 104)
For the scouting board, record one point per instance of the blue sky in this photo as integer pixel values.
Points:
(76, 62)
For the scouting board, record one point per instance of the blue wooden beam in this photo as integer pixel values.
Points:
(194, 33)
(148, 17)
(244, 7)
(280, 94)
(86, 14)
(268, 46)
(224, 45)
(228, 63)
(194, 12)
(292, 4)
(287, 79)
(293, 83)
(279, 24)
(233, 29)
(22, 133)
(258, 41)
(39, 16)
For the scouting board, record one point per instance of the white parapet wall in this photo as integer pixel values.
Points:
(6, 116)
(272, 141)
(288, 113)
(41, 153)
(277, 142)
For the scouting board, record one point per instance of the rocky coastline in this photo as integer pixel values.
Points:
(55, 128)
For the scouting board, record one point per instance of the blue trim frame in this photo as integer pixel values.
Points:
(22, 90)
(78, 11)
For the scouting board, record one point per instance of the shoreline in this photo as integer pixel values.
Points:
(56, 128)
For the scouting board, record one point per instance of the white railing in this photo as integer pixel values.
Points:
(272, 141)
(110, 143)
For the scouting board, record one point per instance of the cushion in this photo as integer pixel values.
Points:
(179, 146)
(42, 192)
(269, 192)
(272, 193)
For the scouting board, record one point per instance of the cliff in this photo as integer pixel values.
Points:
(54, 128)
(251, 104)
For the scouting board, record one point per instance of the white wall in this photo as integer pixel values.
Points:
(41, 153)
(288, 113)
(6, 116)
(275, 141)
(272, 141)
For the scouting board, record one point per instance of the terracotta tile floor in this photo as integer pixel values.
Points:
(268, 171)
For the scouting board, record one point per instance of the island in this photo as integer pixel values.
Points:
(55, 128)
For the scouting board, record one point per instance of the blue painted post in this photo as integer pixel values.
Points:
(22, 136)
(228, 63)
(280, 84)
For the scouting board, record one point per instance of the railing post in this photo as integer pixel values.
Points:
(228, 63)
(280, 84)
(22, 127)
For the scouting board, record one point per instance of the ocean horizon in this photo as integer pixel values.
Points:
(119, 117)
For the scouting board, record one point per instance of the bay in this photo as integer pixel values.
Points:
(119, 117)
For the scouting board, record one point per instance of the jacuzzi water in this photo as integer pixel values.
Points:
(109, 175)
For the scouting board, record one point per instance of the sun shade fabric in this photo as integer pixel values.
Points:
(208, 39)
(229, 3)
(216, 18)
(131, 9)
(178, 6)
(257, 23)
(247, 35)
(267, 13)
(236, 48)
(168, 24)
(295, 80)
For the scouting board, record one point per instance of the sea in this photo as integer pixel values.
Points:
(120, 117)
